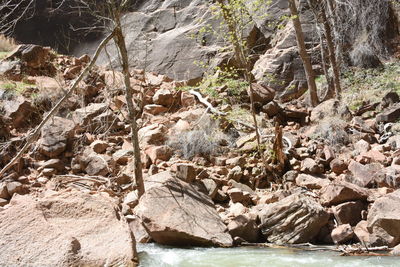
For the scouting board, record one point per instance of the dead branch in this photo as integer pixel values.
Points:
(35, 133)
(119, 40)
(280, 157)
(223, 114)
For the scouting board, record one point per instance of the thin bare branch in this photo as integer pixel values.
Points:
(35, 133)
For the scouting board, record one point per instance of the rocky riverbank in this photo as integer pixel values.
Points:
(75, 190)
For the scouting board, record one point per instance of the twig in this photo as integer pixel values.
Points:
(96, 179)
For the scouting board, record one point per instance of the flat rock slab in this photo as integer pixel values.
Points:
(175, 213)
(65, 229)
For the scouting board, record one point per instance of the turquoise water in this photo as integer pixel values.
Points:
(152, 255)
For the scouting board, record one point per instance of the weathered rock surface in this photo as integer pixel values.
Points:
(384, 220)
(389, 115)
(95, 164)
(153, 134)
(342, 234)
(55, 136)
(311, 182)
(282, 62)
(339, 192)
(349, 212)
(365, 175)
(328, 108)
(262, 94)
(294, 219)
(175, 213)
(95, 117)
(245, 227)
(20, 111)
(65, 229)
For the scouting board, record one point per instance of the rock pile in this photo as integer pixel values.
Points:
(205, 186)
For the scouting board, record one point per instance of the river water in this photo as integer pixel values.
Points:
(152, 255)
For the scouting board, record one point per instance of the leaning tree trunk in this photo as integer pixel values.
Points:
(331, 50)
(241, 57)
(120, 41)
(34, 135)
(312, 87)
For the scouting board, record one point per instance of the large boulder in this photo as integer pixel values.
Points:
(65, 229)
(93, 163)
(20, 111)
(329, 108)
(56, 135)
(245, 227)
(311, 182)
(342, 234)
(349, 212)
(340, 192)
(384, 220)
(153, 134)
(294, 219)
(262, 94)
(281, 67)
(161, 35)
(390, 115)
(175, 213)
(365, 175)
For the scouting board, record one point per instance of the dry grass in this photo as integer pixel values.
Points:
(7, 44)
(205, 140)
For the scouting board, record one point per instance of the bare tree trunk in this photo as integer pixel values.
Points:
(331, 49)
(332, 19)
(35, 134)
(120, 41)
(240, 55)
(331, 89)
(312, 87)
(315, 8)
(280, 157)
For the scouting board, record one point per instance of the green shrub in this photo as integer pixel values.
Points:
(370, 85)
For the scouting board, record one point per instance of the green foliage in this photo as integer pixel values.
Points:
(273, 79)
(15, 87)
(370, 85)
(238, 114)
(217, 80)
(236, 19)
(3, 54)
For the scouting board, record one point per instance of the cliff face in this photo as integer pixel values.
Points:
(165, 36)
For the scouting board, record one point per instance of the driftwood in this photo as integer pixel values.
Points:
(73, 178)
(364, 251)
(88, 183)
(347, 251)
